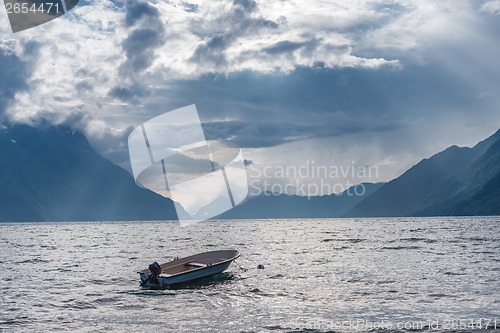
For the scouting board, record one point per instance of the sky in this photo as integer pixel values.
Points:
(348, 85)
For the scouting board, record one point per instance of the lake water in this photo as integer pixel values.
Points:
(320, 275)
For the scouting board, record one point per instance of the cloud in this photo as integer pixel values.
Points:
(265, 73)
(13, 73)
(269, 134)
(256, 134)
(147, 34)
(137, 10)
(492, 7)
(106, 59)
(216, 40)
(226, 37)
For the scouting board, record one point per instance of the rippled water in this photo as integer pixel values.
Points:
(320, 275)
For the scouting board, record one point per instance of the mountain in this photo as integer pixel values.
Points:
(474, 191)
(53, 174)
(457, 181)
(268, 205)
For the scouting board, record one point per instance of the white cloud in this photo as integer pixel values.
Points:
(492, 7)
(76, 61)
(79, 57)
(72, 64)
(268, 36)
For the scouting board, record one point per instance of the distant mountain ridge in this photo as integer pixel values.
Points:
(457, 181)
(270, 205)
(53, 174)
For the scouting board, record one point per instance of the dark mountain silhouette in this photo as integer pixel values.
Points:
(457, 181)
(53, 174)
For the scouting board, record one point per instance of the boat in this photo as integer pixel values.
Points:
(182, 270)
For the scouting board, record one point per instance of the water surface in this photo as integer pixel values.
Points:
(320, 275)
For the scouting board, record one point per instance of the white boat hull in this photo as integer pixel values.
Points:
(190, 268)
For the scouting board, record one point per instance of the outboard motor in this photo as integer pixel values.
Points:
(155, 269)
(155, 272)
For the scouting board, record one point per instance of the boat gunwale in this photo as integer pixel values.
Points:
(188, 259)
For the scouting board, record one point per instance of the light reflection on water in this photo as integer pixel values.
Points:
(318, 273)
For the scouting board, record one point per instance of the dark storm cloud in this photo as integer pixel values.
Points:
(140, 44)
(239, 18)
(129, 93)
(248, 5)
(13, 75)
(139, 9)
(270, 109)
(146, 35)
(284, 47)
(255, 134)
(269, 134)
